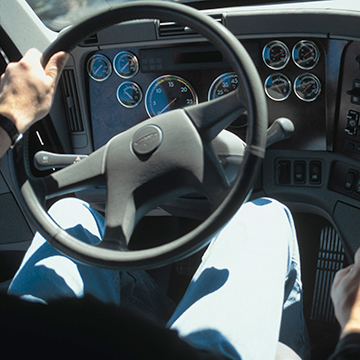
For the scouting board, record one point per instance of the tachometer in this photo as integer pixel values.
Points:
(167, 93)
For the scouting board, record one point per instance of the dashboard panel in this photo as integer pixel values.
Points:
(296, 86)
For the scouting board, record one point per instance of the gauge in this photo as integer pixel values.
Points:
(223, 85)
(277, 87)
(306, 54)
(307, 87)
(167, 93)
(126, 64)
(99, 67)
(129, 94)
(276, 55)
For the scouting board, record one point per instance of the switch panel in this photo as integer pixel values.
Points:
(299, 172)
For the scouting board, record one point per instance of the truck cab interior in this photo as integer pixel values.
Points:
(295, 137)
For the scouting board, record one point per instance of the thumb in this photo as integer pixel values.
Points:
(56, 65)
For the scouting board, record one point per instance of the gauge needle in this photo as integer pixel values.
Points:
(308, 53)
(167, 106)
(281, 52)
(306, 88)
(278, 88)
(126, 64)
(128, 95)
(98, 69)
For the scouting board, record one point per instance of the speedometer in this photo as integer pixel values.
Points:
(167, 93)
(222, 85)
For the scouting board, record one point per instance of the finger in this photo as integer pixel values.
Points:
(56, 65)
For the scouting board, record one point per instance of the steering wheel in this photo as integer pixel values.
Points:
(164, 157)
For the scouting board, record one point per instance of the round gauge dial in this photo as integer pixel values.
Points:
(277, 87)
(276, 55)
(126, 64)
(129, 94)
(307, 87)
(306, 54)
(99, 67)
(222, 85)
(167, 93)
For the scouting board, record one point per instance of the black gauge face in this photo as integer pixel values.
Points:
(126, 64)
(99, 67)
(306, 54)
(129, 94)
(276, 55)
(222, 85)
(168, 93)
(307, 87)
(277, 87)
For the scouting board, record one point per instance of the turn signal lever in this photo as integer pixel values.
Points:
(44, 160)
(281, 129)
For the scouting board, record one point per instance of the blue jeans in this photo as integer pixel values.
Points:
(245, 296)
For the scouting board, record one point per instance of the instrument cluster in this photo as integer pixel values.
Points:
(129, 86)
(306, 55)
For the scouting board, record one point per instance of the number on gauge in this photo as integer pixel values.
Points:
(126, 64)
(167, 93)
(276, 55)
(277, 87)
(307, 87)
(129, 94)
(99, 67)
(306, 54)
(222, 85)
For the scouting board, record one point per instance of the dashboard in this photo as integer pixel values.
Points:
(129, 85)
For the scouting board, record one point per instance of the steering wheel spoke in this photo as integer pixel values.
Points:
(86, 173)
(213, 116)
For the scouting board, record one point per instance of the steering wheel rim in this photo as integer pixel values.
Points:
(31, 190)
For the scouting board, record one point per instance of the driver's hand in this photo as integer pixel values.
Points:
(27, 90)
(345, 295)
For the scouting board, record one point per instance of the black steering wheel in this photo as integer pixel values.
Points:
(164, 157)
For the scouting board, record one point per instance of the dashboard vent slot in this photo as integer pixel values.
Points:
(167, 29)
(72, 101)
(92, 39)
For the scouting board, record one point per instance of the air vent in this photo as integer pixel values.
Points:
(91, 40)
(72, 101)
(167, 29)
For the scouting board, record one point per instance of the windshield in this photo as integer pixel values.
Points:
(57, 14)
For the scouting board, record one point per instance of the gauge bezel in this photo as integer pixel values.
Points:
(133, 57)
(316, 79)
(154, 82)
(271, 44)
(307, 43)
(285, 78)
(88, 66)
(131, 83)
(220, 77)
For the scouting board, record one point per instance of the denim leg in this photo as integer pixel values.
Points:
(234, 303)
(46, 274)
